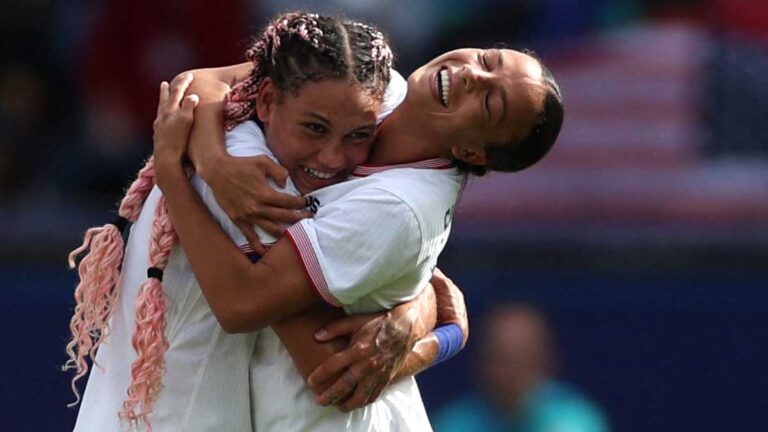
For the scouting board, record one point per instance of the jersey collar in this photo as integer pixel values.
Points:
(364, 170)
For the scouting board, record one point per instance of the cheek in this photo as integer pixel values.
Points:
(358, 154)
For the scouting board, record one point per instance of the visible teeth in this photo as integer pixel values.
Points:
(318, 174)
(446, 86)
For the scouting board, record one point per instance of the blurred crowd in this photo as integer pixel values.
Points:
(516, 383)
(666, 101)
(78, 82)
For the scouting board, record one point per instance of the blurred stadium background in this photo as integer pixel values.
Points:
(643, 236)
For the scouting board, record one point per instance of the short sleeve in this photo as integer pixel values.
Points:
(356, 244)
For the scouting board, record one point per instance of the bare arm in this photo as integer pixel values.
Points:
(239, 184)
(365, 380)
(206, 141)
(451, 309)
(243, 296)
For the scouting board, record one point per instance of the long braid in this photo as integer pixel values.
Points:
(99, 271)
(149, 339)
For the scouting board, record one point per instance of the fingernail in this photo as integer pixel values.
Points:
(321, 334)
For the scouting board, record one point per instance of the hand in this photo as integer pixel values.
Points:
(241, 187)
(175, 115)
(450, 303)
(378, 346)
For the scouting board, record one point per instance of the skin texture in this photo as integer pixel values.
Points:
(327, 127)
(494, 96)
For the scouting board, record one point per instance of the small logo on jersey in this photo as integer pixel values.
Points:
(312, 203)
(448, 217)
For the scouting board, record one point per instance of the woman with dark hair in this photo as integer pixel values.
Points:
(374, 240)
(150, 330)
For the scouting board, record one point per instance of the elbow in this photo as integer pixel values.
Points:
(231, 325)
(238, 320)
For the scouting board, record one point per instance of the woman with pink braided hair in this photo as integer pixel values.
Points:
(186, 374)
(374, 240)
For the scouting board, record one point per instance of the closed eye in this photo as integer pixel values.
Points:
(482, 61)
(487, 104)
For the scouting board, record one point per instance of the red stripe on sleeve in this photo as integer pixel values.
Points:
(311, 264)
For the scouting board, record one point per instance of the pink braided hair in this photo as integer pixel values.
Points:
(99, 271)
(149, 339)
(241, 101)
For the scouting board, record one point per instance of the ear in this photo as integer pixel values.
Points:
(469, 155)
(266, 100)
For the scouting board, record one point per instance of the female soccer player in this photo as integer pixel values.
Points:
(373, 240)
(186, 373)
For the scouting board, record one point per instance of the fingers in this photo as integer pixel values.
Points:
(274, 171)
(329, 368)
(274, 229)
(283, 200)
(189, 103)
(179, 86)
(342, 388)
(366, 391)
(252, 237)
(279, 199)
(344, 326)
(163, 100)
(284, 216)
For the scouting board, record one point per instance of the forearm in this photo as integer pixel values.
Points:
(297, 334)
(449, 338)
(243, 296)
(206, 146)
(420, 315)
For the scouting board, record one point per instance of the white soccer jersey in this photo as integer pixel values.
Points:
(206, 386)
(372, 244)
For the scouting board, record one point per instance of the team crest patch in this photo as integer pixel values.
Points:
(312, 203)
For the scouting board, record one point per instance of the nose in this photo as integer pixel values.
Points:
(331, 155)
(474, 78)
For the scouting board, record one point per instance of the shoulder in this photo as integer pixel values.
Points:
(424, 191)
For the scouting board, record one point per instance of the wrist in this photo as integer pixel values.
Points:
(168, 170)
(450, 340)
(208, 163)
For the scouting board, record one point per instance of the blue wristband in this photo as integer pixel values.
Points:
(449, 341)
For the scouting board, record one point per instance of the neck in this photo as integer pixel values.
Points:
(400, 139)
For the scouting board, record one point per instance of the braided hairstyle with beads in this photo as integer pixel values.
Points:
(295, 48)
(298, 48)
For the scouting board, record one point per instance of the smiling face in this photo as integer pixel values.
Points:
(320, 133)
(472, 97)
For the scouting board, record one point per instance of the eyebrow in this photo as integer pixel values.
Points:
(318, 117)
